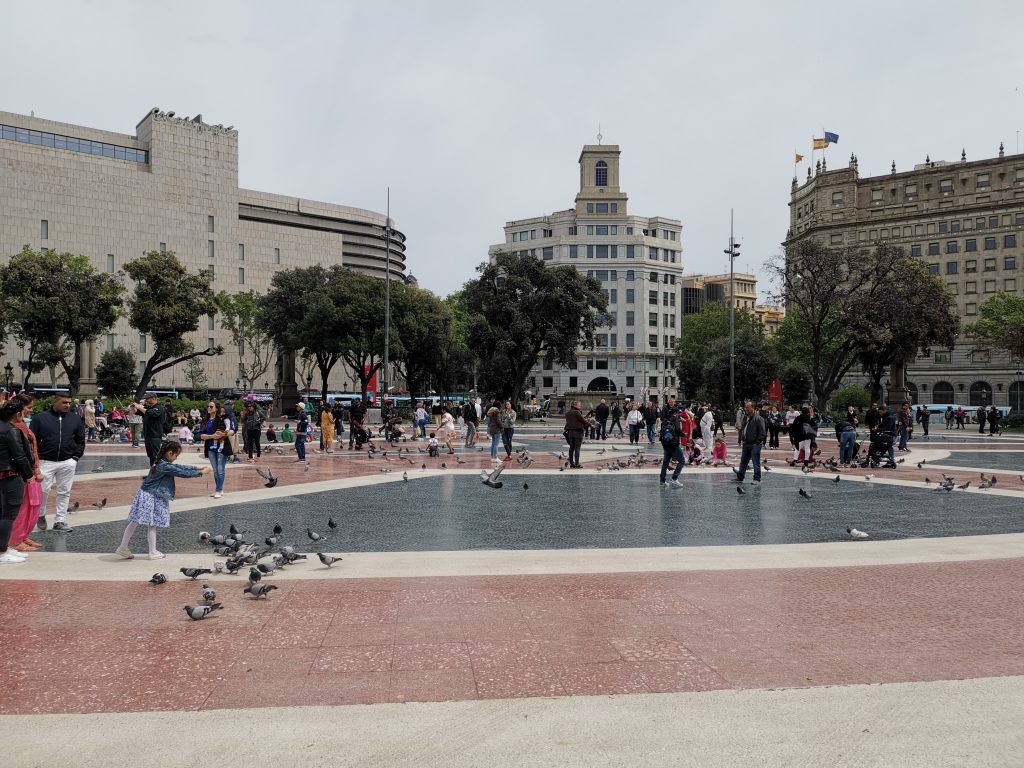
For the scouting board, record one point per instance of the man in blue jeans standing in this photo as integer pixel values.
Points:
(671, 444)
(752, 434)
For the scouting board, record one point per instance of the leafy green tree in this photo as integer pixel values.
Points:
(754, 366)
(195, 374)
(796, 384)
(700, 331)
(853, 395)
(455, 359)
(1000, 324)
(167, 304)
(116, 373)
(520, 309)
(57, 303)
(255, 346)
(421, 326)
(363, 340)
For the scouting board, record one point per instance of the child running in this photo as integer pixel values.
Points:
(152, 503)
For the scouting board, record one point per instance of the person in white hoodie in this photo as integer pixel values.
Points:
(707, 429)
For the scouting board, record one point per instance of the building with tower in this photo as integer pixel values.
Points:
(965, 220)
(639, 262)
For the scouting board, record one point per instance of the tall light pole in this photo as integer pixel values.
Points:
(387, 296)
(733, 251)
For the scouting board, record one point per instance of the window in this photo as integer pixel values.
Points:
(601, 339)
(630, 251)
(142, 343)
(573, 382)
(601, 174)
(933, 269)
(1010, 284)
(548, 253)
(654, 277)
(951, 246)
(630, 340)
(876, 195)
(613, 340)
(951, 267)
(971, 245)
(933, 249)
(601, 274)
(941, 357)
(241, 251)
(990, 243)
(211, 343)
(943, 227)
(970, 287)
(602, 251)
(548, 382)
(590, 251)
(110, 342)
(630, 316)
(241, 275)
(836, 240)
(1009, 241)
(953, 288)
(652, 319)
(990, 286)
(652, 254)
(110, 262)
(910, 190)
(630, 275)
(915, 250)
(979, 223)
(615, 207)
(990, 265)
(163, 247)
(664, 298)
(44, 229)
(614, 251)
(837, 198)
(590, 207)
(574, 251)
(601, 208)
(209, 248)
(572, 230)
(209, 223)
(614, 297)
(599, 230)
(1010, 262)
(993, 222)
(652, 297)
(954, 226)
(59, 141)
(971, 265)
(983, 180)
(629, 296)
(946, 185)
(652, 342)
(971, 309)
(547, 233)
(210, 322)
(629, 379)
(210, 269)
(277, 255)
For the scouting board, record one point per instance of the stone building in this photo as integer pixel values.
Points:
(173, 185)
(639, 262)
(964, 219)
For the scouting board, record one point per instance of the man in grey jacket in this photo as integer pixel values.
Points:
(752, 431)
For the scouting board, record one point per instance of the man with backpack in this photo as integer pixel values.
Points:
(670, 436)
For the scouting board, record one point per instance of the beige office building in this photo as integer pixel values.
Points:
(639, 262)
(172, 185)
(965, 220)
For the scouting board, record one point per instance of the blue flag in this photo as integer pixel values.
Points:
(831, 138)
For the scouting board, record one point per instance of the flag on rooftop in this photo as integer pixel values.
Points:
(831, 138)
(819, 143)
(799, 157)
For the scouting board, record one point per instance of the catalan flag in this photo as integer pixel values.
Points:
(799, 157)
(819, 143)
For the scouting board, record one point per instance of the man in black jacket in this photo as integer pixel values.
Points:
(752, 432)
(152, 426)
(356, 413)
(601, 414)
(471, 418)
(60, 434)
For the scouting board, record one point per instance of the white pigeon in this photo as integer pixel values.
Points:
(869, 477)
(855, 534)
(491, 480)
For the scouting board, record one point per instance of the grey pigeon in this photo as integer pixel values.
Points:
(101, 503)
(965, 486)
(98, 469)
(491, 480)
(266, 568)
(268, 476)
(195, 573)
(233, 566)
(331, 524)
(405, 476)
(158, 578)
(328, 560)
(255, 575)
(259, 589)
(201, 611)
(271, 541)
(740, 491)
(314, 536)
(278, 530)
(855, 534)
(836, 479)
(804, 493)
(209, 595)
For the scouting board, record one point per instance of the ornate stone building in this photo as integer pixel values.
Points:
(965, 220)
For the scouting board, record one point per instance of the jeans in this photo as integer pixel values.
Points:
(575, 441)
(470, 434)
(218, 462)
(506, 439)
(153, 448)
(773, 436)
(847, 441)
(615, 423)
(602, 429)
(651, 429)
(924, 425)
(421, 424)
(300, 447)
(672, 452)
(12, 491)
(902, 430)
(495, 440)
(750, 452)
(634, 434)
(61, 473)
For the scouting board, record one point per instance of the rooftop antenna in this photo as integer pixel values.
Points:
(599, 136)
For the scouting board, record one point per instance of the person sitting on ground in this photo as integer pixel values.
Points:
(694, 453)
(271, 434)
(720, 453)
(287, 436)
(185, 435)
(432, 445)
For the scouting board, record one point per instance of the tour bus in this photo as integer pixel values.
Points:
(162, 394)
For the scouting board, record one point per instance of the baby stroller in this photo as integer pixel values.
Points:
(359, 433)
(878, 451)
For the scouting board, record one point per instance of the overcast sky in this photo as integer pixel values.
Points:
(474, 113)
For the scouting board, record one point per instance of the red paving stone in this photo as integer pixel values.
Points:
(112, 647)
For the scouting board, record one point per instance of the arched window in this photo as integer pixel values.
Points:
(601, 175)
(912, 393)
(942, 393)
(601, 384)
(981, 393)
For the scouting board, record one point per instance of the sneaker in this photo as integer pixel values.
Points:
(676, 484)
(124, 552)
(62, 527)
(41, 523)
(217, 495)
(9, 558)
(755, 481)
(663, 484)
(156, 555)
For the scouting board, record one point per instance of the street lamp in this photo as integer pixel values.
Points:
(238, 384)
(1016, 400)
(9, 375)
(732, 252)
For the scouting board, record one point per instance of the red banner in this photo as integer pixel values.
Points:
(371, 386)
(775, 393)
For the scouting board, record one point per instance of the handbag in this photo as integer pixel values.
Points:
(809, 431)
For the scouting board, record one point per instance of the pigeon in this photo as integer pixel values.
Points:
(314, 536)
(405, 476)
(233, 566)
(459, 461)
(836, 479)
(75, 506)
(209, 595)
(101, 503)
(740, 491)
(218, 539)
(992, 480)
(271, 541)
(158, 578)
(900, 461)
(291, 557)
(424, 467)
(526, 486)
(491, 480)
(920, 465)
(218, 567)
(927, 481)
(204, 535)
(255, 575)
(965, 486)
(985, 485)
(194, 573)
(444, 465)
(233, 531)
(307, 467)
(98, 469)
(869, 477)
(278, 530)
(259, 589)
(266, 569)
(202, 611)
(328, 560)
(268, 476)
(855, 534)
(385, 470)
(804, 493)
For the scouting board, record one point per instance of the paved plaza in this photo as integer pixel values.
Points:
(572, 617)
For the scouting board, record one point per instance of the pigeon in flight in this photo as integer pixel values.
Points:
(491, 480)
(260, 589)
(195, 573)
(314, 536)
(740, 491)
(201, 611)
(158, 578)
(836, 479)
(328, 560)
(268, 476)
(804, 493)
(855, 534)
(101, 503)
(209, 595)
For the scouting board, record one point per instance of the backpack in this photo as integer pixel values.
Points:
(669, 431)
